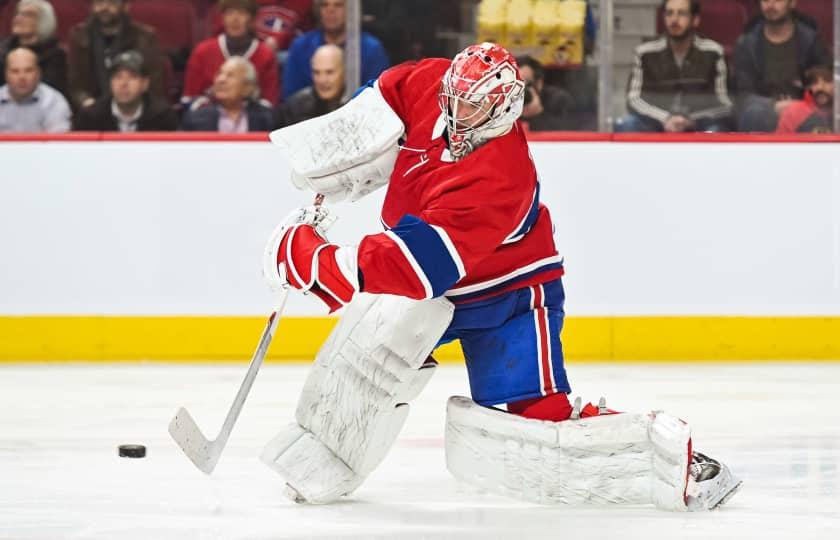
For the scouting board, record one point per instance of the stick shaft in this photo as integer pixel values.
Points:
(253, 369)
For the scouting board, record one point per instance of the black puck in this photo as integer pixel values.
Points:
(132, 450)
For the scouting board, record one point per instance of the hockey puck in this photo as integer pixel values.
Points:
(132, 450)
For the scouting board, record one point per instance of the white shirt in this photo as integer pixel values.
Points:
(126, 124)
(45, 111)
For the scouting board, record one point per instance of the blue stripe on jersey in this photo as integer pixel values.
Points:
(429, 251)
(362, 88)
(530, 219)
(533, 213)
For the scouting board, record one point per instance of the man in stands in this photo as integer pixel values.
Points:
(27, 104)
(332, 20)
(233, 107)
(770, 59)
(814, 113)
(237, 39)
(33, 27)
(129, 108)
(94, 44)
(678, 82)
(546, 107)
(326, 93)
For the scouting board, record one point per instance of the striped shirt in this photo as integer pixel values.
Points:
(660, 87)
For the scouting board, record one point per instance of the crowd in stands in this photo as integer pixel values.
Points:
(782, 76)
(113, 73)
(93, 65)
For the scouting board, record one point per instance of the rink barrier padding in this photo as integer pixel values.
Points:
(585, 339)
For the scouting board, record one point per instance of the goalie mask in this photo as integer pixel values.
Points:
(481, 96)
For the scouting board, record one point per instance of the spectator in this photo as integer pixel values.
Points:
(94, 43)
(278, 22)
(326, 93)
(546, 107)
(129, 108)
(678, 82)
(770, 59)
(237, 39)
(33, 27)
(332, 21)
(27, 104)
(233, 107)
(814, 113)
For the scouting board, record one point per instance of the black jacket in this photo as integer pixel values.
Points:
(88, 72)
(750, 62)
(303, 105)
(659, 88)
(204, 116)
(51, 59)
(157, 116)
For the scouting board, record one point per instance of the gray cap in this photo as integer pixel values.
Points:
(130, 60)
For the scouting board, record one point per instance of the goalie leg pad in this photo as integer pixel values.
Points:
(610, 459)
(355, 399)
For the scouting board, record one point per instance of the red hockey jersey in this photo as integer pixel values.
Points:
(468, 229)
(209, 55)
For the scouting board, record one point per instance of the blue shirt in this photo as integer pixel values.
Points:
(297, 71)
(45, 111)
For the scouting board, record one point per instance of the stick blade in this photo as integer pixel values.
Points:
(185, 432)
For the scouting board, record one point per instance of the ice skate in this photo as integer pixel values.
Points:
(711, 484)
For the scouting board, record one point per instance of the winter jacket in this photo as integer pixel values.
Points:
(750, 62)
(156, 116)
(89, 75)
(204, 116)
(304, 105)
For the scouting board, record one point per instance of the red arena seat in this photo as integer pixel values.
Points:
(822, 12)
(173, 20)
(720, 20)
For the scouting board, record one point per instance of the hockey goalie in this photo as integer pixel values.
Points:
(467, 253)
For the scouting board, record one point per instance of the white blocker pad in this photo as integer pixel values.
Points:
(602, 460)
(355, 400)
(347, 153)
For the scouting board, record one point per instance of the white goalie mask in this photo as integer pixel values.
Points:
(481, 96)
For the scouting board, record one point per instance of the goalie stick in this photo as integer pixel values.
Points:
(205, 453)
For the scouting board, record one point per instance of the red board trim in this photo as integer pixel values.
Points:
(544, 136)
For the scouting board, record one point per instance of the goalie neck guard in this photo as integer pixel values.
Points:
(481, 96)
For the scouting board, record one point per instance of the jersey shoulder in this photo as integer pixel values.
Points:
(409, 87)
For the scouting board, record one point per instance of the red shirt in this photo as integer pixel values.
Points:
(803, 116)
(467, 229)
(209, 55)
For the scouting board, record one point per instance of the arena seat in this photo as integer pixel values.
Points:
(720, 20)
(822, 12)
(173, 20)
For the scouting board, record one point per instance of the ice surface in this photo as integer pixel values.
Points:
(60, 476)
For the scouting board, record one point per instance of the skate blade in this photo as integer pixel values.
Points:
(731, 493)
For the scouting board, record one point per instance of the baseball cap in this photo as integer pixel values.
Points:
(130, 60)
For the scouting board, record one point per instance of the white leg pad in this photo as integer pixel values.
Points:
(354, 402)
(610, 459)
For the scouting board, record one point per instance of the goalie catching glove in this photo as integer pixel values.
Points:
(299, 255)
